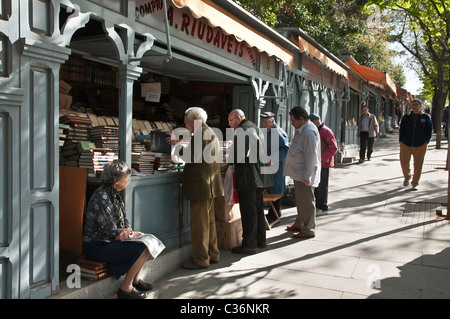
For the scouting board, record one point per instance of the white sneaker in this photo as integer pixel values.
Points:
(414, 187)
(320, 212)
(406, 182)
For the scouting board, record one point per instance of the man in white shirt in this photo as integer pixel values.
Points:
(303, 165)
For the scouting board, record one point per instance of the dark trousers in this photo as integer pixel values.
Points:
(321, 192)
(252, 217)
(365, 143)
(277, 205)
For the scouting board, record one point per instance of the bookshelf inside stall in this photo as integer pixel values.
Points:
(89, 138)
(89, 124)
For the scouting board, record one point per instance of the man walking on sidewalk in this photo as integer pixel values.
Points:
(368, 129)
(416, 129)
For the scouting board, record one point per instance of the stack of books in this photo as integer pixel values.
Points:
(73, 128)
(165, 162)
(94, 159)
(62, 134)
(69, 152)
(72, 149)
(105, 137)
(78, 132)
(72, 117)
(137, 147)
(143, 162)
(92, 270)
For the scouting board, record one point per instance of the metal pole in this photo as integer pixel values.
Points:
(180, 217)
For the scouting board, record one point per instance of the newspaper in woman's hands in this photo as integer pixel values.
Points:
(154, 245)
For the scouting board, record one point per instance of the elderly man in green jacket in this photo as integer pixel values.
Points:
(202, 183)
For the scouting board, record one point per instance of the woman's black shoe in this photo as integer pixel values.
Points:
(142, 286)
(133, 294)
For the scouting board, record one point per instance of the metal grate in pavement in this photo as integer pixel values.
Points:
(418, 212)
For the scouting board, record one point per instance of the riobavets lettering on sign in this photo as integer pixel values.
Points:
(197, 31)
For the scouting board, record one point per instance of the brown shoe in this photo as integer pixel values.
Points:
(243, 250)
(292, 228)
(190, 265)
(302, 236)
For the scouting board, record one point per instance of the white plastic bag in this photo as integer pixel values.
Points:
(229, 188)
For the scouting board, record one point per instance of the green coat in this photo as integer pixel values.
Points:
(202, 180)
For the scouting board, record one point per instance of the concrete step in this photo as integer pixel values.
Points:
(107, 288)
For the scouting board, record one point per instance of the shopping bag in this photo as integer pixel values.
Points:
(229, 187)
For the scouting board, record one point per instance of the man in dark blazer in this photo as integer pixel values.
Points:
(202, 183)
(249, 165)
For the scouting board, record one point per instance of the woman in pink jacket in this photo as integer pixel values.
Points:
(329, 148)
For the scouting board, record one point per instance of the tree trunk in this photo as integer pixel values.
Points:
(436, 116)
(440, 102)
(448, 183)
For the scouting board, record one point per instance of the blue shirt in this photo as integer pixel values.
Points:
(278, 157)
(365, 121)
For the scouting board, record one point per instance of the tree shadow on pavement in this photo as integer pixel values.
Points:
(426, 277)
(242, 281)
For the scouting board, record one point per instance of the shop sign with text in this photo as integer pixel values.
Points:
(196, 31)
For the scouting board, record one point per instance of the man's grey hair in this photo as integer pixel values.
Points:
(114, 170)
(197, 112)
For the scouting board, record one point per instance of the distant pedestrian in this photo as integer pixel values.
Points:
(277, 159)
(303, 166)
(328, 148)
(398, 114)
(416, 129)
(445, 118)
(368, 129)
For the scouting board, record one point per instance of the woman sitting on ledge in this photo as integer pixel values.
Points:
(105, 229)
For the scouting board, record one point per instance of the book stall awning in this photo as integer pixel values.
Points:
(218, 17)
(312, 50)
(374, 77)
(403, 95)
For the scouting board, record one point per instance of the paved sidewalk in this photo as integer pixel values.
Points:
(379, 240)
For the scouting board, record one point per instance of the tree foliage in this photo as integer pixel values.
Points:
(423, 29)
(338, 25)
